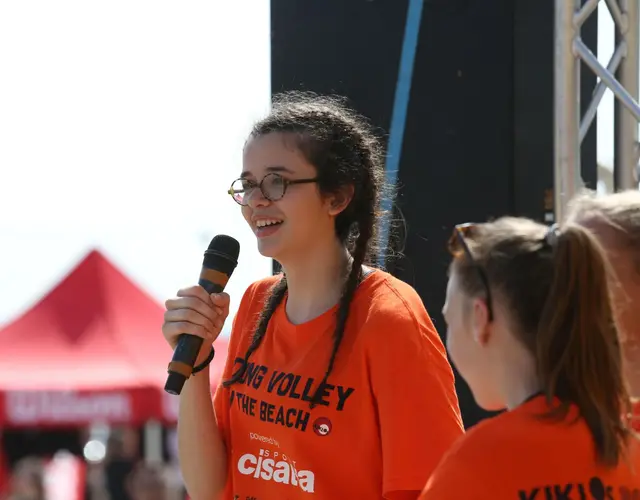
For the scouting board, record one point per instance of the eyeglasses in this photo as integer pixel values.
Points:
(457, 241)
(273, 187)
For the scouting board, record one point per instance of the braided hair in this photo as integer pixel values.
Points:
(345, 151)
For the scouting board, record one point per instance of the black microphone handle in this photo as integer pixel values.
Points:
(188, 347)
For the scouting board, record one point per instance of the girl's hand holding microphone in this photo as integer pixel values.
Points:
(195, 312)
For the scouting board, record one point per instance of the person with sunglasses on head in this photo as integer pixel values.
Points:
(614, 219)
(531, 329)
(336, 382)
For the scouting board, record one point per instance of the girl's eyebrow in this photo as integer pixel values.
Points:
(273, 168)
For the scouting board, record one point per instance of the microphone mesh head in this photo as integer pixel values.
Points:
(222, 254)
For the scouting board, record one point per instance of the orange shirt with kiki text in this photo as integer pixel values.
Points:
(387, 415)
(519, 456)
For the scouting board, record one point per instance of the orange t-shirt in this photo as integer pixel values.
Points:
(518, 456)
(635, 416)
(386, 418)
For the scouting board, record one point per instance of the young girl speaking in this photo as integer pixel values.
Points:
(336, 383)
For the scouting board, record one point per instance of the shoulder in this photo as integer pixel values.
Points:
(465, 460)
(513, 431)
(461, 465)
(262, 286)
(251, 304)
(518, 435)
(388, 306)
(522, 441)
(476, 441)
(388, 298)
(256, 293)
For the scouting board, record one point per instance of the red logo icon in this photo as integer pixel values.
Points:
(322, 426)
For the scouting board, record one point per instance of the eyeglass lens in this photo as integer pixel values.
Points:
(272, 187)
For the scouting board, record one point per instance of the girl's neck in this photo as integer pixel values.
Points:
(315, 281)
(519, 380)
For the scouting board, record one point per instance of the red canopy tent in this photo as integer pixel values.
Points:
(90, 351)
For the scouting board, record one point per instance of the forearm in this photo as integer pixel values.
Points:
(202, 453)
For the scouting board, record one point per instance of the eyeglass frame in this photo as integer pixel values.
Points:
(285, 182)
(460, 232)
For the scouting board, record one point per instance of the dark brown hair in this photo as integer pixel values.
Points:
(343, 148)
(554, 286)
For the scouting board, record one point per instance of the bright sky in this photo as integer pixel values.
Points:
(606, 47)
(121, 127)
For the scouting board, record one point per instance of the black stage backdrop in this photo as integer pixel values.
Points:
(478, 130)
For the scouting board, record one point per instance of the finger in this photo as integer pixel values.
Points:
(220, 299)
(194, 291)
(191, 316)
(225, 308)
(193, 303)
(174, 329)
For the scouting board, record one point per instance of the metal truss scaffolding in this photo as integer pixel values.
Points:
(620, 76)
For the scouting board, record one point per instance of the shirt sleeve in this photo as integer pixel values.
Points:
(413, 386)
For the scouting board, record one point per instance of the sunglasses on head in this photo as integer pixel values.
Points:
(458, 244)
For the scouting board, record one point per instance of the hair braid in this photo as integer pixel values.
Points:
(359, 255)
(345, 151)
(271, 303)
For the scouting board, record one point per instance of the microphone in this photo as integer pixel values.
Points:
(220, 259)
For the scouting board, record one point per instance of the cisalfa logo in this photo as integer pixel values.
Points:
(277, 467)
